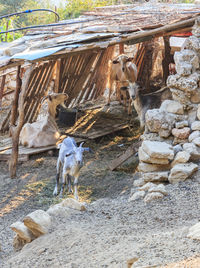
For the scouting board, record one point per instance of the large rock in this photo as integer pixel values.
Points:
(74, 204)
(172, 106)
(195, 96)
(23, 232)
(155, 176)
(139, 182)
(18, 242)
(194, 135)
(155, 137)
(59, 210)
(194, 232)
(181, 172)
(198, 112)
(181, 157)
(156, 149)
(181, 133)
(146, 187)
(137, 195)
(196, 28)
(160, 188)
(181, 124)
(192, 113)
(144, 167)
(38, 222)
(148, 159)
(186, 62)
(180, 96)
(153, 196)
(193, 150)
(160, 122)
(177, 141)
(195, 125)
(187, 84)
(197, 141)
(192, 43)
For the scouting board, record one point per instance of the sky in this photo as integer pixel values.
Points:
(57, 2)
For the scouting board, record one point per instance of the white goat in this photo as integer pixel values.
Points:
(71, 158)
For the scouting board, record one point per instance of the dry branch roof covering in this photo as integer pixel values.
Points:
(99, 29)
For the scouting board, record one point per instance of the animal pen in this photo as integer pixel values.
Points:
(74, 55)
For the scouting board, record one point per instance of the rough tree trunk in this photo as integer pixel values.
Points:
(15, 130)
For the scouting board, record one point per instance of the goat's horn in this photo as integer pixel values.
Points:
(44, 98)
(81, 144)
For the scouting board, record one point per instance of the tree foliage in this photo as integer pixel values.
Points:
(66, 9)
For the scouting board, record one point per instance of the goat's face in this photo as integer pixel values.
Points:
(77, 155)
(133, 90)
(58, 99)
(121, 60)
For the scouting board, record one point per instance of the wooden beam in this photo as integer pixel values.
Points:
(126, 155)
(2, 89)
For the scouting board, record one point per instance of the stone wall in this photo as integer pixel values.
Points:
(170, 147)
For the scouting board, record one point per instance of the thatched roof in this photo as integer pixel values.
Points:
(99, 29)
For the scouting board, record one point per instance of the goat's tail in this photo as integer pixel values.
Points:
(58, 145)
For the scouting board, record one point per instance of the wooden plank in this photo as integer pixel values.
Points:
(98, 133)
(32, 151)
(21, 158)
(24, 152)
(4, 148)
(126, 155)
(107, 131)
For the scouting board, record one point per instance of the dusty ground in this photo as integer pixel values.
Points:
(112, 230)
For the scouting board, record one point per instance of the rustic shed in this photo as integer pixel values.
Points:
(74, 54)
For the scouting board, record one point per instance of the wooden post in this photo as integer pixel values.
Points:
(167, 59)
(121, 48)
(13, 116)
(57, 78)
(2, 89)
(15, 130)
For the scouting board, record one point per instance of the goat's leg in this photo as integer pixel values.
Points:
(76, 187)
(63, 184)
(118, 95)
(129, 106)
(69, 183)
(125, 101)
(110, 87)
(55, 192)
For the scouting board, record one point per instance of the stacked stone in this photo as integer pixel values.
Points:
(171, 142)
(38, 223)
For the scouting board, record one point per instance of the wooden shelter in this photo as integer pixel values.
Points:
(75, 54)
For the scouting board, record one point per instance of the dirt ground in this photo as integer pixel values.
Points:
(112, 230)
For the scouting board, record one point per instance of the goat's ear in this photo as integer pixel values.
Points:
(87, 149)
(129, 59)
(115, 61)
(50, 98)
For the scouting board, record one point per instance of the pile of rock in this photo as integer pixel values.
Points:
(34, 225)
(149, 191)
(171, 143)
(38, 222)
